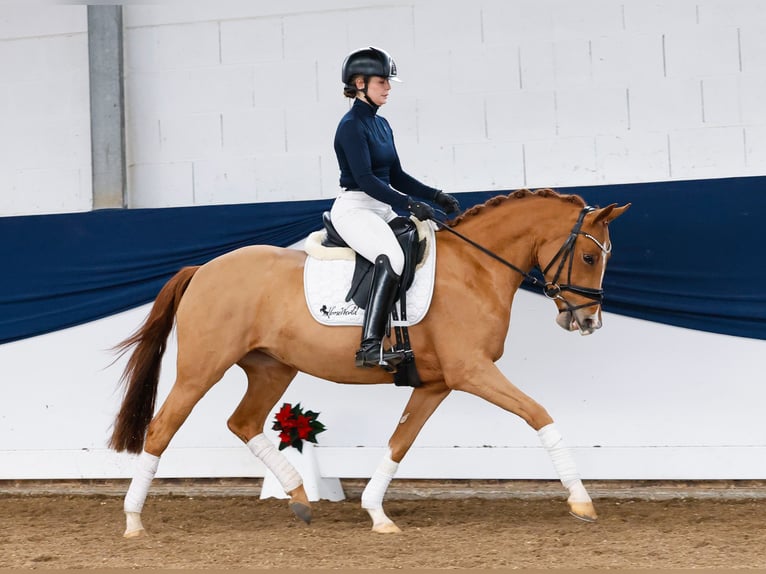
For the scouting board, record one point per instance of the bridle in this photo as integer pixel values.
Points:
(553, 289)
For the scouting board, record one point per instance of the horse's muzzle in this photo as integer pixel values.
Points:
(576, 321)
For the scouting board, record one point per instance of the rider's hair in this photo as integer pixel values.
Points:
(350, 90)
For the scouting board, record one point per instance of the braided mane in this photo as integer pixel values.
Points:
(519, 194)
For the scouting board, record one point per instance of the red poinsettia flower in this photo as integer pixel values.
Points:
(285, 437)
(295, 426)
(285, 416)
(303, 426)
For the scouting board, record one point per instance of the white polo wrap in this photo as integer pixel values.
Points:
(275, 461)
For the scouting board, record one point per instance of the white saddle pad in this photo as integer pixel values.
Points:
(327, 280)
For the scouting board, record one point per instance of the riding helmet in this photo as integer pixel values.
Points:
(368, 62)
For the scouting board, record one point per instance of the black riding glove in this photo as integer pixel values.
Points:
(447, 202)
(422, 211)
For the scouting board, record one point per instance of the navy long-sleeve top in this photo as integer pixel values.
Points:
(364, 145)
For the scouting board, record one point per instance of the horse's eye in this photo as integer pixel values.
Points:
(588, 258)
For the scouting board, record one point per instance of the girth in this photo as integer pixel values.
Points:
(406, 234)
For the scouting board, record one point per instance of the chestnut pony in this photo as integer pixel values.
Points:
(247, 307)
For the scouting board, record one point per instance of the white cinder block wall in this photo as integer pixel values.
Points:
(238, 102)
(44, 110)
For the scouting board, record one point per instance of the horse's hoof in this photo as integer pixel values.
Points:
(302, 511)
(134, 533)
(386, 528)
(583, 511)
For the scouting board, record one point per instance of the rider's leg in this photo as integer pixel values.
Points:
(362, 222)
(383, 291)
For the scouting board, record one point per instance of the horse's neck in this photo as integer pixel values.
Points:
(508, 232)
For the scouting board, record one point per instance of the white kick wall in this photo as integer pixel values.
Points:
(237, 102)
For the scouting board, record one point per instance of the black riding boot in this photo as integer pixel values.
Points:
(385, 285)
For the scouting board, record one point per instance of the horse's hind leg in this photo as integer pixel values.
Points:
(267, 380)
(422, 404)
(186, 392)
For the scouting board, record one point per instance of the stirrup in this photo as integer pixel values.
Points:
(377, 356)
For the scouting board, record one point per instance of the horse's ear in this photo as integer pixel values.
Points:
(610, 212)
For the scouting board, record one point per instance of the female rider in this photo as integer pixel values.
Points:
(373, 184)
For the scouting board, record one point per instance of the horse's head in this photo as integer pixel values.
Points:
(574, 270)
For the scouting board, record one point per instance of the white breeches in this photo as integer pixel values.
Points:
(362, 222)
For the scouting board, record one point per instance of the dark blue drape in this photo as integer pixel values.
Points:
(687, 253)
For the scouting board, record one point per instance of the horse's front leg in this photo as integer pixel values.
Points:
(487, 382)
(422, 404)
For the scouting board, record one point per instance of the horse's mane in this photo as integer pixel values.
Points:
(519, 194)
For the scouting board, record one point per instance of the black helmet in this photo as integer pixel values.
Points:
(368, 62)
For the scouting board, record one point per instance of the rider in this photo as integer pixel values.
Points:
(373, 185)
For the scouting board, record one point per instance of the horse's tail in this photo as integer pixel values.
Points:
(142, 373)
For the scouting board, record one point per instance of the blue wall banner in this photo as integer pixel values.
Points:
(687, 253)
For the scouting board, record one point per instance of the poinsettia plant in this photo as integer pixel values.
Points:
(295, 426)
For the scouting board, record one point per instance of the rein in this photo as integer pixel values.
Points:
(552, 289)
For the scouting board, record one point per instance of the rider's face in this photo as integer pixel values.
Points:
(377, 89)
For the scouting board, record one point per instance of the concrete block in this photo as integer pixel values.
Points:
(34, 20)
(392, 29)
(665, 105)
(142, 139)
(752, 98)
(288, 83)
(254, 131)
(591, 111)
(438, 28)
(287, 177)
(701, 52)
(172, 47)
(560, 161)
(627, 59)
(190, 137)
(45, 77)
(422, 72)
(510, 23)
(307, 36)
(537, 65)
(721, 101)
(632, 157)
(488, 166)
(437, 120)
(642, 16)
(709, 152)
(252, 40)
(53, 190)
(224, 180)
(208, 89)
(311, 128)
(517, 116)
(402, 115)
(752, 42)
(736, 13)
(585, 19)
(755, 149)
(329, 176)
(572, 63)
(481, 69)
(160, 185)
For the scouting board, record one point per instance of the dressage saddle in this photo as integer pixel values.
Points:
(412, 245)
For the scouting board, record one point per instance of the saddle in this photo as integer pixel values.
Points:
(412, 245)
(414, 248)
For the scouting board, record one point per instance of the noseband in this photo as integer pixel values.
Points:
(552, 289)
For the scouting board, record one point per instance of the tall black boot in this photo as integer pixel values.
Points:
(385, 285)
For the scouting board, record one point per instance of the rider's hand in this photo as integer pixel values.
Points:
(420, 210)
(447, 202)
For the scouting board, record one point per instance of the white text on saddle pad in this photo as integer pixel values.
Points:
(326, 283)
